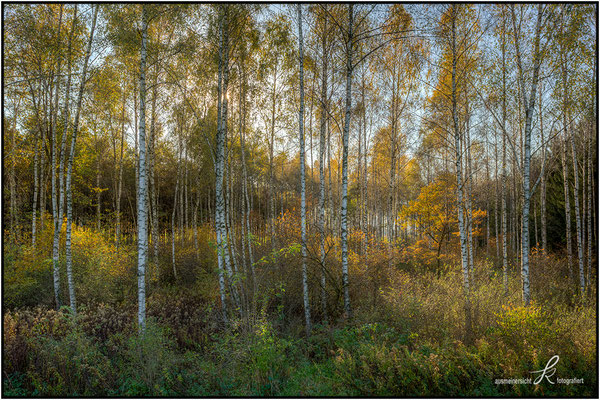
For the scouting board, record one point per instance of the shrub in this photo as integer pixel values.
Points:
(27, 277)
(101, 272)
(190, 316)
(103, 321)
(148, 363)
(259, 363)
(21, 326)
(313, 379)
(14, 385)
(70, 366)
(373, 369)
(526, 331)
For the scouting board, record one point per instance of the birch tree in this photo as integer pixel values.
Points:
(349, 46)
(564, 50)
(69, 257)
(302, 175)
(220, 162)
(323, 128)
(453, 16)
(529, 107)
(142, 211)
(56, 205)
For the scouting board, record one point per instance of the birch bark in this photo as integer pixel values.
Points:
(322, 168)
(346, 132)
(142, 210)
(302, 176)
(69, 258)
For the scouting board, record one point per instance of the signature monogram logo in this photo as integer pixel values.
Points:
(547, 372)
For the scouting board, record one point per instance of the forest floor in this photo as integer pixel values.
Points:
(406, 337)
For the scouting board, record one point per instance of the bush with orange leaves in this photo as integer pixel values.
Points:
(433, 217)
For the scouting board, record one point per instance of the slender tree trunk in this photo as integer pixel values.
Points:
(136, 146)
(69, 258)
(230, 229)
(271, 178)
(392, 180)
(13, 181)
(330, 204)
(303, 177)
(567, 200)
(496, 197)
(459, 185)
(43, 128)
(152, 181)
(186, 205)
(591, 145)
(529, 105)
(487, 207)
(391, 216)
(173, 216)
(361, 176)
(43, 184)
(247, 207)
(242, 205)
(36, 184)
(61, 171)
(589, 207)
(577, 214)
(344, 207)
(566, 103)
(224, 213)
(220, 161)
(197, 206)
(98, 191)
(143, 188)
(56, 214)
(120, 175)
(364, 186)
(535, 226)
(182, 217)
(544, 232)
(584, 194)
(469, 183)
(323, 128)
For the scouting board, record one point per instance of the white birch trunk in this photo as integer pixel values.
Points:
(566, 103)
(36, 185)
(497, 199)
(468, 183)
(142, 210)
(567, 200)
(344, 206)
(590, 174)
(544, 232)
(459, 184)
(69, 259)
(322, 169)
(224, 213)
(120, 177)
(303, 177)
(13, 181)
(152, 197)
(246, 206)
(589, 208)
(578, 217)
(56, 215)
(219, 169)
(529, 105)
(173, 216)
